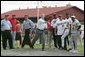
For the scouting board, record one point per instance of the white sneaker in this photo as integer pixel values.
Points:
(75, 51)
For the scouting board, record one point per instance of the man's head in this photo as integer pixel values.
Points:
(54, 16)
(67, 15)
(73, 18)
(6, 16)
(50, 17)
(26, 17)
(13, 16)
(42, 16)
(60, 17)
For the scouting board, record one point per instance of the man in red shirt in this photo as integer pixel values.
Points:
(50, 30)
(13, 29)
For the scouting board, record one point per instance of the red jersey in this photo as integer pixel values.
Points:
(13, 22)
(49, 27)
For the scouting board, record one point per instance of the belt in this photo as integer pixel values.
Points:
(73, 33)
(7, 30)
(28, 28)
(66, 28)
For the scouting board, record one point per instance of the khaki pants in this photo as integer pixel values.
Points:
(39, 34)
(13, 36)
(49, 39)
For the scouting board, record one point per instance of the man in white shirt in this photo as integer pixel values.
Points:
(6, 32)
(60, 28)
(41, 25)
(64, 37)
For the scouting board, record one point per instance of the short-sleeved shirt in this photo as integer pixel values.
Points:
(74, 26)
(67, 23)
(13, 22)
(60, 27)
(5, 24)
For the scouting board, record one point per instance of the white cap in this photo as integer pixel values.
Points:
(73, 16)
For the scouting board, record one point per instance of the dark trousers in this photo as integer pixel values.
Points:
(6, 35)
(55, 39)
(59, 41)
(26, 40)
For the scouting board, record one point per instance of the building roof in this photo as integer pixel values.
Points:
(33, 12)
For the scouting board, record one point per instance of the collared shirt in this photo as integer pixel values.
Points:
(60, 27)
(41, 24)
(27, 24)
(13, 22)
(5, 24)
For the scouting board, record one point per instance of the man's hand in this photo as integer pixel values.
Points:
(2, 29)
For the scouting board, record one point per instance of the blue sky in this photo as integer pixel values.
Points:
(14, 5)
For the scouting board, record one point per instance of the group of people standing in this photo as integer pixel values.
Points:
(57, 28)
(10, 30)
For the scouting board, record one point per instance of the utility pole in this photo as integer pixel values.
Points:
(37, 10)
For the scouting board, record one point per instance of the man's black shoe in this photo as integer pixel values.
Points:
(42, 49)
(56, 47)
(12, 48)
(32, 47)
(4, 48)
(22, 46)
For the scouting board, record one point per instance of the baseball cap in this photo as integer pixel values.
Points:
(73, 16)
